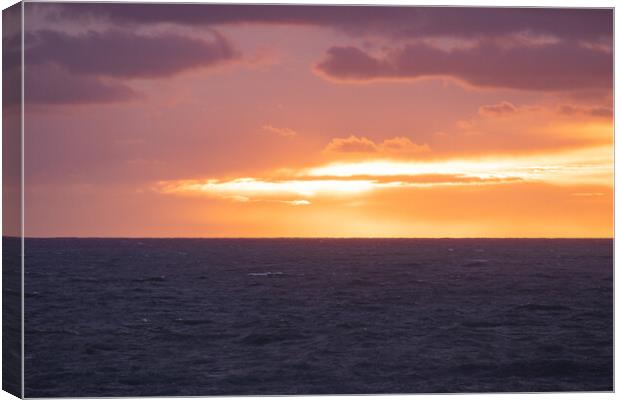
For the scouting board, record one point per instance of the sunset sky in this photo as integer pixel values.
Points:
(270, 121)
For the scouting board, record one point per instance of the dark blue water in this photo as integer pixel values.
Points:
(112, 317)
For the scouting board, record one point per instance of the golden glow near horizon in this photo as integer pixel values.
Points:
(246, 189)
(354, 179)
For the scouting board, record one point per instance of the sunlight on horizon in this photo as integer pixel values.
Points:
(352, 179)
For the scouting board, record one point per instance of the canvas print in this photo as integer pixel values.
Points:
(236, 199)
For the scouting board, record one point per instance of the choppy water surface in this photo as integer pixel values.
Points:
(107, 317)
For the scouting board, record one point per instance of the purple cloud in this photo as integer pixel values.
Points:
(495, 110)
(126, 55)
(552, 67)
(120, 54)
(54, 85)
(392, 21)
(93, 67)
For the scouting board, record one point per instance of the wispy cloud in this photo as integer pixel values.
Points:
(362, 145)
(286, 132)
(569, 109)
(494, 110)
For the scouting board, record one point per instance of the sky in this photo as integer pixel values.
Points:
(179, 120)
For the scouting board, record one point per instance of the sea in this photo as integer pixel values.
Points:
(184, 317)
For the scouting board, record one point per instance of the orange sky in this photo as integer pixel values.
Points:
(238, 122)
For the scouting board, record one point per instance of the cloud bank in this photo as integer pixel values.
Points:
(542, 49)
(122, 54)
(396, 22)
(554, 67)
(95, 67)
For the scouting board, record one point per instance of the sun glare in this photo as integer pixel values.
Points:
(353, 179)
(251, 187)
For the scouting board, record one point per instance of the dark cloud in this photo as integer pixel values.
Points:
(493, 110)
(11, 68)
(54, 85)
(11, 56)
(120, 54)
(393, 21)
(126, 55)
(552, 67)
(93, 67)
